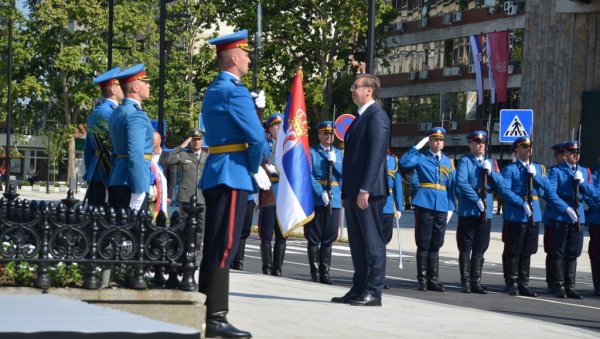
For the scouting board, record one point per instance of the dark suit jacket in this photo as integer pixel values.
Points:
(366, 143)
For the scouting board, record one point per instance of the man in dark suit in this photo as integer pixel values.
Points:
(364, 191)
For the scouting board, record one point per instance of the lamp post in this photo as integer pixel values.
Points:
(8, 99)
(111, 5)
(371, 37)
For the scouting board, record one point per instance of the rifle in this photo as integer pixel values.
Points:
(258, 50)
(484, 176)
(576, 184)
(103, 155)
(330, 175)
(530, 220)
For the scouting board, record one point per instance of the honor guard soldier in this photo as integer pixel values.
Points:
(523, 182)
(272, 260)
(96, 172)
(559, 158)
(322, 231)
(593, 218)
(433, 202)
(393, 206)
(189, 159)
(473, 231)
(235, 140)
(566, 218)
(238, 261)
(131, 136)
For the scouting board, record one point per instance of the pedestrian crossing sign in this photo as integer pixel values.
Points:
(515, 123)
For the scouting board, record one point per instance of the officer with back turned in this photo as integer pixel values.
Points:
(96, 173)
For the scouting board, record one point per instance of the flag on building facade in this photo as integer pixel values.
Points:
(497, 43)
(294, 194)
(477, 52)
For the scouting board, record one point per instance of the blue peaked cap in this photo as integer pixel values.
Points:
(477, 135)
(275, 118)
(136, 72)
(436, 132)
(326, 126)
(108, 76)
(233, 40)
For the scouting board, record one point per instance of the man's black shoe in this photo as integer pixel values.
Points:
(219, 327)
(345, 299)
(366, 300)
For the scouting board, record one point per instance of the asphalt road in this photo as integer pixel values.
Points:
(581, 313)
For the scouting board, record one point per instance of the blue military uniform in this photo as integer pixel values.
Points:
(433, 201)
(96, 173)
(566, 241)
(520, 233)
(131, 135)
(593, 218)
(394, 199)
(235, 140)
(238, 261)
(272, 256)
(472, 234)
(322, 230)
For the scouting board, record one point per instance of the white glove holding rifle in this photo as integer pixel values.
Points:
(262, 179)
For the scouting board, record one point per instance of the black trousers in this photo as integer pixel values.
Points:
(225, 211)
(520, 239)
(267, 224)
(323, 229)
(472, 238)
(430, 229)
(96, 194)
(119, 197)
(247, 224)
(565, 242)
(388, 228)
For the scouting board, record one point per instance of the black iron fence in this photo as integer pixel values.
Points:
(45, 235)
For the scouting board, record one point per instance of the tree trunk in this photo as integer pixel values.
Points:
(71, 160)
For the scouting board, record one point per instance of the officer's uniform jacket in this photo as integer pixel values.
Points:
(319, 165)
(560, 192)
(516, 181)
(189, 170)
(227, 102)
(436, 180)
(131, 135)
(593, 213)
(394, 200)
(268, 158)
(97, 122)
(468, 185)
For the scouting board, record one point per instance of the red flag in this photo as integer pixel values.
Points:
(498, 48)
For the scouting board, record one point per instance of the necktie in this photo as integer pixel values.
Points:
(197, 156)
(437, 157)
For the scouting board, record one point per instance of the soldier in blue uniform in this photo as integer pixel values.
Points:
(519, 234)
(322, 231)
(238, 261)
(131, 136)
(566, 242)
(272, 260)
(96, 174)
(593, 217)
(235, 140)
(473, 235)
(393, 205)
(433, 202)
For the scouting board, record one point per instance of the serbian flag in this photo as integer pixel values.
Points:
(498, 51)
(477, 52)
(294, 194)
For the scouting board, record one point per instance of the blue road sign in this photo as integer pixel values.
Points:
(515, 123)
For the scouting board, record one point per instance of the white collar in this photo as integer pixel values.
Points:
(233, 75)
(364, 107)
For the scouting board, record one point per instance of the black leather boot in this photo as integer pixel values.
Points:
(595, 264)
(476, 270)
(570, 272)
(558, 268)
(512, 273)
(464, 267)
(238, 261)
(524, 266)
(324, 265)
(505, 272)
(278, 255)
(313, 262)
(422, 272)
(549, 273)
(432, 274)
(216, 288)
(267, 258)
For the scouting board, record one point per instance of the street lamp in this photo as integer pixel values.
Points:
(111, 5)
(8, 99)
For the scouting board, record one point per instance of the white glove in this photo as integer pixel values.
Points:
(448, 217)
(262, 179)
(527, 209)
(480, 205)
(397, 215)
(331, 156)
(578, 176)
(259, 99)
(325, 198)
(487, 165)
(531, 170)
(271, 168)
(571, 213)
(422, 143)
(136, 200)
